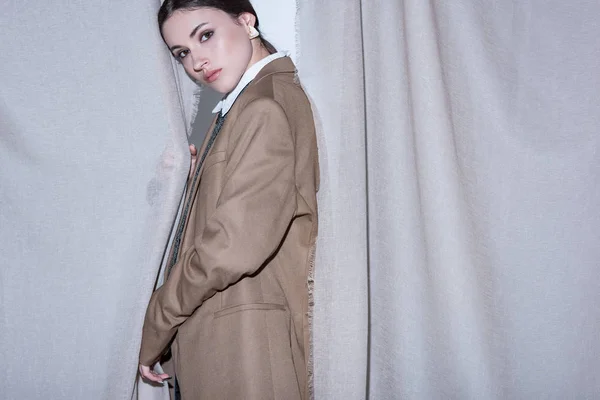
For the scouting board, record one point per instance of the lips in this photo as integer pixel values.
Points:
(211, 76)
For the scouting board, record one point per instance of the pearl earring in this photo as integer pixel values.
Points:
(252, 32)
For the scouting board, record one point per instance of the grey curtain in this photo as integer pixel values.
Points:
(458, 254)
(93, 159)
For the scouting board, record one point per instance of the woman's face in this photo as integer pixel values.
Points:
(213, 47)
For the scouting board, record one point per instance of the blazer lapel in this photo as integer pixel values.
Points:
(205, 141)
(192, 186)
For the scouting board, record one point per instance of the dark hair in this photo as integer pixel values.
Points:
(231, 7)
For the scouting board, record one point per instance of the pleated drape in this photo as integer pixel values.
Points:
(458, 254)
(330, 65)
(93, 159)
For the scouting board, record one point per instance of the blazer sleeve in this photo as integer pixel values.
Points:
(256, 206)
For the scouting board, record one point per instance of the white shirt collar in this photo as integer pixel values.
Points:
(225, 105)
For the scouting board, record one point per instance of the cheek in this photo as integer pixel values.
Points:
(234, 60)
(240, 57)
(189, 69)
(236, 48)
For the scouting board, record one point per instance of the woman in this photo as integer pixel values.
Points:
(234, 307)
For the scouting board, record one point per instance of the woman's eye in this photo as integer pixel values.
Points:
(182, 54)
(205, 36)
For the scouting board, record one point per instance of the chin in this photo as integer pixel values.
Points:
(222, 87)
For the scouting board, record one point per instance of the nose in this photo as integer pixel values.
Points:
(199, 62)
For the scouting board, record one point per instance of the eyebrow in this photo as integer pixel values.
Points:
(173, 48)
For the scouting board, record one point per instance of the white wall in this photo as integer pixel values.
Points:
(277, 23)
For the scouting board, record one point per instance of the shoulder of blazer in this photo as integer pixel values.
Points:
(282, 69)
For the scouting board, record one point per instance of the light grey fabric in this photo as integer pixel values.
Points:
(93, 159)
(461, 183)
(330, 68)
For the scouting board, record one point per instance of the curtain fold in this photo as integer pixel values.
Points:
(93, 159)
(461, 182)
(334, 81)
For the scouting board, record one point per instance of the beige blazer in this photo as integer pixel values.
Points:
(236, 301)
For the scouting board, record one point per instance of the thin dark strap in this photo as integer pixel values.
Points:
(186, 210)
(176, 390)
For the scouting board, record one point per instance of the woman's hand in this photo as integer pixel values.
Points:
(150, 375)
(194, 154)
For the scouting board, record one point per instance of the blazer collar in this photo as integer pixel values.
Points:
(281, 65)
(257, 71)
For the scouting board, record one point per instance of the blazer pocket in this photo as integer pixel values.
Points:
(246, 307)
(213, 159)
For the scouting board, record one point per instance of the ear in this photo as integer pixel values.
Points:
(247, 19)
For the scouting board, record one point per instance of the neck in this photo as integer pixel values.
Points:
(258, 52)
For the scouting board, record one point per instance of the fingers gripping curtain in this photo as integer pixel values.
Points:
(458, 251)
